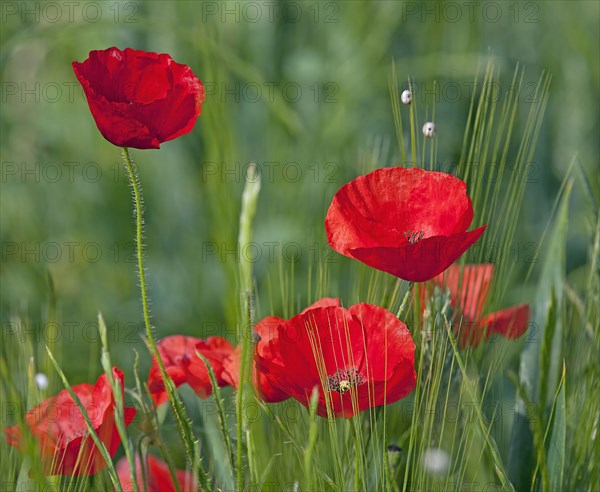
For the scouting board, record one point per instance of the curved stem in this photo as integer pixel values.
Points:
(183, 423)
(139, 236)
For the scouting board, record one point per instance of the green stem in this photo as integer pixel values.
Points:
(357, 456)
(183, 423)
(312, 439)
(119, 408)
(139, 236)
(249, 202)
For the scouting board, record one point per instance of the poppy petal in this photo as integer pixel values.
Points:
(408, 222)
(157, 475)
(469, 287)
(421, 261)
(339, 351)
(510, 323)
(61, 432)
(183, 365)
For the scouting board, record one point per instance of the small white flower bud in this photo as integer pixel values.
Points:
(41, 381)
(429, 129)
(406, 97)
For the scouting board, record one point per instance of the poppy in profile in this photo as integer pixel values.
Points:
(157, 477)
(357, 358)
(469, 288)
(264, 331)
(183, 365)
(139, 99)
(410, 223)
(61, 433)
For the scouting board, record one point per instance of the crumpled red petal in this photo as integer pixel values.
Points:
(61, 432)
(178, 353)
(158, 477)
(510, 323)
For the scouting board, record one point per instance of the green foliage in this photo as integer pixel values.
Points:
(538, 432)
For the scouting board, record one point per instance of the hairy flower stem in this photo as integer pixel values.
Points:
(139, 236)
(183, 424)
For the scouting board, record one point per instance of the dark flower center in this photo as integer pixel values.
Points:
(344, 379)
(413, 237)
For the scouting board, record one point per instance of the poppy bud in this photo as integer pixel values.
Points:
(406, 97)
(429, 129)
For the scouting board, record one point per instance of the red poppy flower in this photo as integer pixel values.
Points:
(139, 99)
(157, 475)
(469, 288)
(265, 330)
(358, 358)
(178, 353)
(60, 430)
(408, 222)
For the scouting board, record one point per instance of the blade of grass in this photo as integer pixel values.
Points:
(312, 440)
(557, 428)
(249, 203)
(119, 411)
(220, 410)
(551, 280)
(499, 468)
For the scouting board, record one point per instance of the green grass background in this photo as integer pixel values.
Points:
(192, 206)
(338, 125)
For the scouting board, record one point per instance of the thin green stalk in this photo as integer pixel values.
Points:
(406, 299)
(183, 423)
(493, 449)
(413, 128)
(249, 202)
(357, 457)
(393, 85)
(413, 429)
(139, 236)
(312, 439)
(220, 408)
(117, 391)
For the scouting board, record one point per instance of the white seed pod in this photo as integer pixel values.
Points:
(406, 97)
(429, 129)
(41, 381)
(436, 461)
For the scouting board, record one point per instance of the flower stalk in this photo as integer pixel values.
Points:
(183, 423)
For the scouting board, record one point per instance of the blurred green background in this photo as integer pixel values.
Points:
(300, 88)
